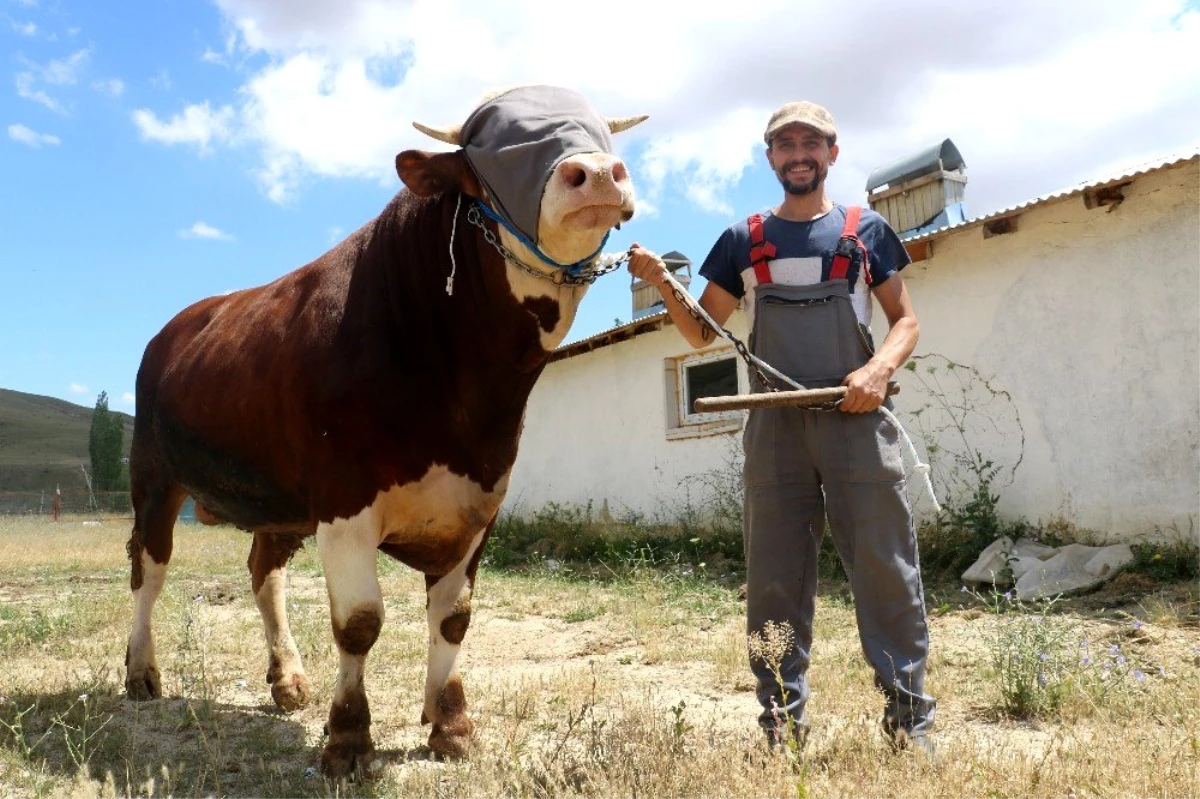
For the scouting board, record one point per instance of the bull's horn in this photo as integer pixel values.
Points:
(618, 124)
(451, 135)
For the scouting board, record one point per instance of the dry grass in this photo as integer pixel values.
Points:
(636, 685)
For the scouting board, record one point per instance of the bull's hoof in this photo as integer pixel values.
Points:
(348, 755)
(143, 684)
(453, 739)
(291, 692)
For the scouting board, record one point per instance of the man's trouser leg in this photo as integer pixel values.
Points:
(783, 524)
(871, 525)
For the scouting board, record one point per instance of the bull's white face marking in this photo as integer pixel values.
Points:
(443, 655)
(584, 198)
(441, 505)
(586, 195)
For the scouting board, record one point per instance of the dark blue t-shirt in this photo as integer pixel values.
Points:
(804, 255)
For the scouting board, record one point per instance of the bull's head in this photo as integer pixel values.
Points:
(542, 159)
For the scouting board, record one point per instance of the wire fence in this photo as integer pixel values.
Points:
(75, 502)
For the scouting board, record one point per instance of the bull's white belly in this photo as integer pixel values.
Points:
(441, 506)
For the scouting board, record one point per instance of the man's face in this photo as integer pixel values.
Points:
(800, 157)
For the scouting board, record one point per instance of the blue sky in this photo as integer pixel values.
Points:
(154, 153)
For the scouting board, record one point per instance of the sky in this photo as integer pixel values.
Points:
(155, 153)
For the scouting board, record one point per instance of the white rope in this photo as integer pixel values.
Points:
(453, 265)
(918, 467)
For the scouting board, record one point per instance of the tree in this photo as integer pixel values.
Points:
(106, 440)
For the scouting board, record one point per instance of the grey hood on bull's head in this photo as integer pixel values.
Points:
(515, 140)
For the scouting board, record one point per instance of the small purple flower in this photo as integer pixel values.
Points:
(1084, 643)
(1008, 595)
(964, 590)
(1138, 675)
(1120, 660)
(1137, 624)
(1085, 661)
(1114, 650)
(1042, 656)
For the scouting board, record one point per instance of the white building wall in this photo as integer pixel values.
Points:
(596, 431)
(1089, 319)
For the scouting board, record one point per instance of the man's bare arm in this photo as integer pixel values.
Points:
(716, 301)
(868, 385)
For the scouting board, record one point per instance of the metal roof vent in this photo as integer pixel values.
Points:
(922, 191)
(646, 299)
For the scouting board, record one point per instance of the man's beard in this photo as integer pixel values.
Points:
(801, 189)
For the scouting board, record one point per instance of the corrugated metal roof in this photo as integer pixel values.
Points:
(1127, 174)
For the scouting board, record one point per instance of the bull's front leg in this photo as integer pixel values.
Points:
(269, 556)
(347, 550)
(448, 605)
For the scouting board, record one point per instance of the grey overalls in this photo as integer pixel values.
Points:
(802, 465)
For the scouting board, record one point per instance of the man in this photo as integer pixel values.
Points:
(810, 311)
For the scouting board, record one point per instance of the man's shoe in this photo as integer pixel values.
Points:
(920, 744)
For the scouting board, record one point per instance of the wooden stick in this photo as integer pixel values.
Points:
(777, 399)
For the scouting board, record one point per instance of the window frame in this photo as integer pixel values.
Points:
(684, 424)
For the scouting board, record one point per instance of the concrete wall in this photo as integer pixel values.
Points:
(1090, 320)
(596, 431)
(1084, 323)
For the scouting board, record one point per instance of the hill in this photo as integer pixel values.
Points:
(43, 440)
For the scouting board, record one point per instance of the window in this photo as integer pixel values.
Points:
(690, 377)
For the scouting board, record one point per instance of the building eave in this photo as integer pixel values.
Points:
(998, 222)
(646, 324)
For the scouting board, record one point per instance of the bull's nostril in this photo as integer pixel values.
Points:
(573, 175)
(619, 172)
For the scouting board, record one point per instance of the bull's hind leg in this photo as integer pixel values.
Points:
(347, 550)
(269, 556)
(448, 606)
(149, 548)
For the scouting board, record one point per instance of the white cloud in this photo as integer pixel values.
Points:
(128, 398)
(24, 135)
(24, 82)
(211, 56)
(65, 71)
(202, 230)
(1029, 106)
(113, 87)
(79, 388)
(58, 72)
(196, 124)
(25, 28)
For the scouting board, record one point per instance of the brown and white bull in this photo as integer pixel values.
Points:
(366, 400)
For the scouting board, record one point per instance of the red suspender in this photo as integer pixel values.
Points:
(841, 263)
(760, 251)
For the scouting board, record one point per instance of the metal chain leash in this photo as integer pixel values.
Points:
(696, 312)
(601, 266)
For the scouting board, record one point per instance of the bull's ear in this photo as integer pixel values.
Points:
(426, 174)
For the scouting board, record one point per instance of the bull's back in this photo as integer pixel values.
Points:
(222, 397)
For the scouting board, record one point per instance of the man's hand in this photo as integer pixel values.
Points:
(646, 265)
(866, 388)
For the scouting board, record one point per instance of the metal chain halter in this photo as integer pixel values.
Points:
(601, 266)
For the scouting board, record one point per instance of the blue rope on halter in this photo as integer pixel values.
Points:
(571, 269)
